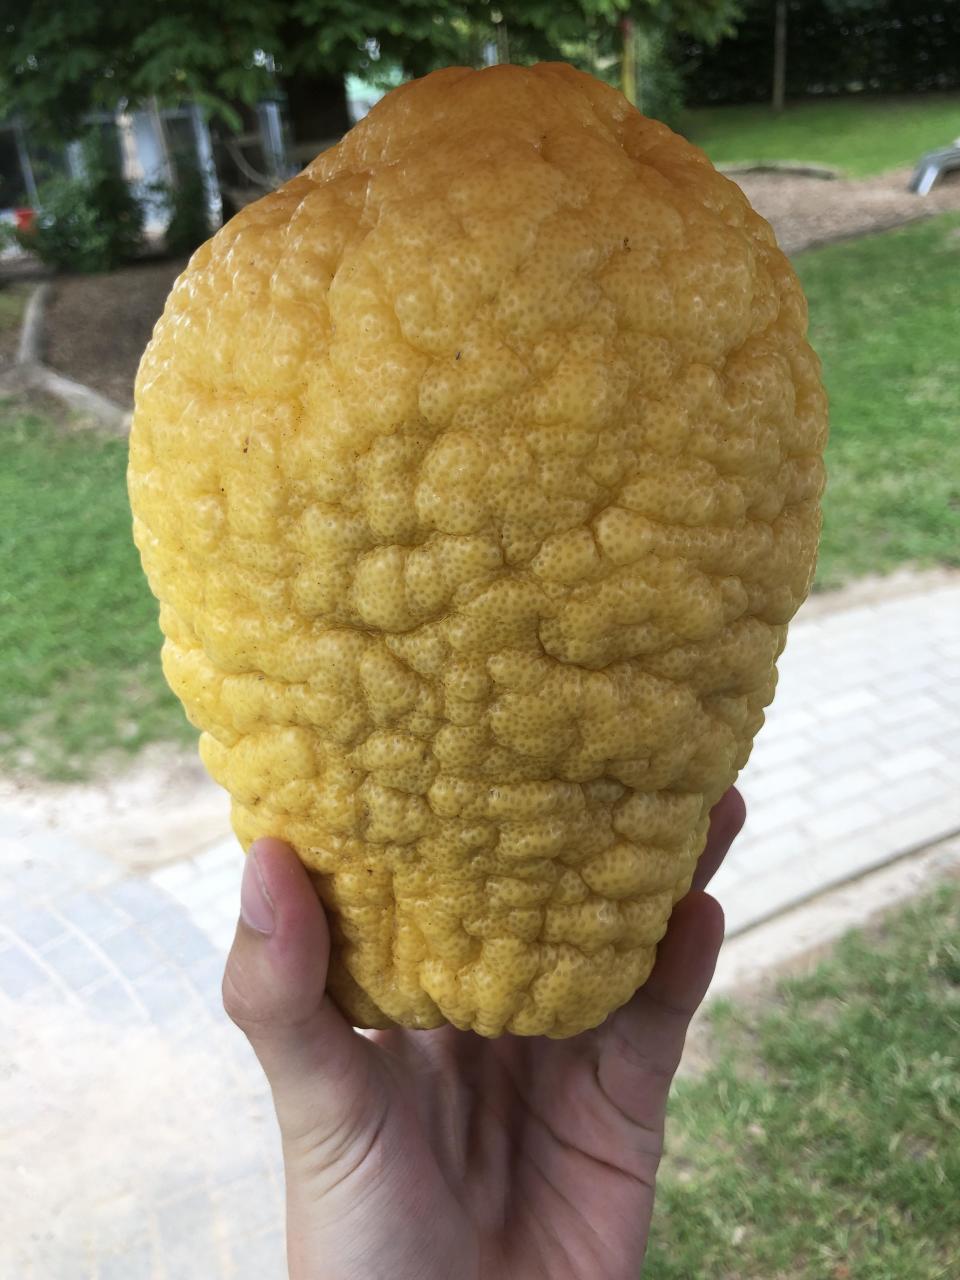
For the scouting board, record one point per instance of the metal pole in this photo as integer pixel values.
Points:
(26, 168)
(780, 55)
(628, 65)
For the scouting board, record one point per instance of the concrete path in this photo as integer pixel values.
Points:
(136, 1133)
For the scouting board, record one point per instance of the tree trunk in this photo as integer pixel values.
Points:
(779, 55)
(317, 112)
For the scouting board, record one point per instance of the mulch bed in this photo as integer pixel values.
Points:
(806, 211)
(96, 327)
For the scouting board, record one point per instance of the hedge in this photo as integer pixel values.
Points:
(833, 47)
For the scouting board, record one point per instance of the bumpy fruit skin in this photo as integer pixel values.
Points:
(477, 471)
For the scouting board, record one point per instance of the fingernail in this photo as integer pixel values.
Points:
(256, 909)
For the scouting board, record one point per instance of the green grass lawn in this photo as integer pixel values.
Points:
(884, 318)
(79, 641)
(859, 135)
(824, 1142)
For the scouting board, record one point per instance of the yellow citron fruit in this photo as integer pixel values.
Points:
(477, 471)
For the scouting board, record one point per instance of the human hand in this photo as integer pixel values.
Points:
(444, 1156)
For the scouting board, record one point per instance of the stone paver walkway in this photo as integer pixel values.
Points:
(137, 1138)
(858, 761)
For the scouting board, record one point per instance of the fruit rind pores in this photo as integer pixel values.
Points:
(477, 471)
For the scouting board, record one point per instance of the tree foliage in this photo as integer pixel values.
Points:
(61, 58)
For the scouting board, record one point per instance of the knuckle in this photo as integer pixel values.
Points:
(257, 1012)
(237, 1004)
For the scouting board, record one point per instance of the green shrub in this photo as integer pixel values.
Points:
(91, 223)
(660, 82)
(660, 85)
(189, 223)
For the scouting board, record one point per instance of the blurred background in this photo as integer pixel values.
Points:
(817, 1133)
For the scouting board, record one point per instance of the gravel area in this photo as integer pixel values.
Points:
(97, 326)
(806, 211)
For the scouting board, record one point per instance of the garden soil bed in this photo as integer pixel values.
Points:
(97, 326)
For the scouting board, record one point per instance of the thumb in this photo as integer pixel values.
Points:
(320, 1070)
